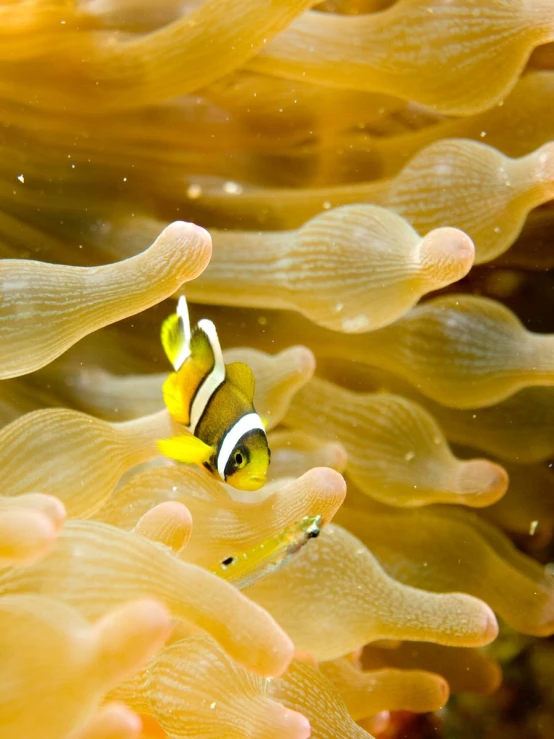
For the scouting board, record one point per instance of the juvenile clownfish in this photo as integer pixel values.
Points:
(214, 402)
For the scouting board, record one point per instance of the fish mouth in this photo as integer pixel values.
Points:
(254, 483)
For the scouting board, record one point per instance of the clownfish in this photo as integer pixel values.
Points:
(215, 402)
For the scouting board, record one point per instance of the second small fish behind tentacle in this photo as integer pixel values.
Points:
(245, 568)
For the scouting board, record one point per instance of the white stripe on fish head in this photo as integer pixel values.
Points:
(246, 424)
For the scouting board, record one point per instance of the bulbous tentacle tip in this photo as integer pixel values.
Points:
(443, 691)
(179, 229)
(447, 254)
(51, 506)
(337, 456)
(293, 725)
(113, 721)
(168, 523)
(26, 536)
(327, 483)
(376, 725)
(131, 635)
(543, 167)
(194, 241)
(482, 482)
(490, 627)
(303, 360)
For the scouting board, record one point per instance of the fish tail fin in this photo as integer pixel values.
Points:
(175, 335)
(187, 449)
(174, 401)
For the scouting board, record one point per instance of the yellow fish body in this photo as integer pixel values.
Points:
(215, 402)
(245, 568)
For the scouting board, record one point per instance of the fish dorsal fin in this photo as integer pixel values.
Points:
(241, 375)
(201, 350)
(176, 335)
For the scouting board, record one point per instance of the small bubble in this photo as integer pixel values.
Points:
(213, 705)
(533, 527)
(409, 456)
(326, 205)
(21, 178)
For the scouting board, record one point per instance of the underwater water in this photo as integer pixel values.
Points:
(360, 195)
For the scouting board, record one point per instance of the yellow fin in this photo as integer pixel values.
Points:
(174, 340)
(187, 449)
(175, 403)
(241, 375)
(201, 349)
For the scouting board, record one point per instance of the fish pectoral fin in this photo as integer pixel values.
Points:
(175, 340)
(241, 376)
(187, 449)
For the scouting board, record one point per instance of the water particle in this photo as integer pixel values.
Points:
(533, 527)
(21, 178)
(409, 456)
(194, 192)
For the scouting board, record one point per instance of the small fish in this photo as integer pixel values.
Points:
(215, 402)
(245, 568)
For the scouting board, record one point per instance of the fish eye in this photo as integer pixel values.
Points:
(239, 459)
(227, 561)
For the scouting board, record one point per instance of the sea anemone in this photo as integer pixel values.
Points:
(359, 194)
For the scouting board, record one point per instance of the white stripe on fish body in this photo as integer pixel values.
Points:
(246, 424)
(183, 313)
(212, 381)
